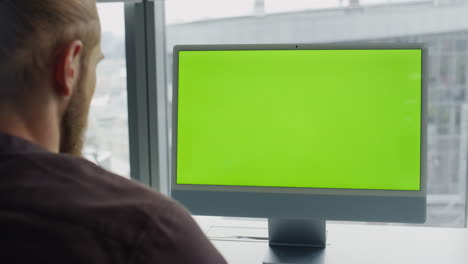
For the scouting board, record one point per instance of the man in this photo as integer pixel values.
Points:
(56, 207)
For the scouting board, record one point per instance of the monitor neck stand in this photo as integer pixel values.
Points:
(296, 241)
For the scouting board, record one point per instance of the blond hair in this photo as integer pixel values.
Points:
(31, 33)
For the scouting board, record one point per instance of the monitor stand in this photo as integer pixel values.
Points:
(296, 241)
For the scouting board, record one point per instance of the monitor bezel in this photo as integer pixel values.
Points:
(299, 190)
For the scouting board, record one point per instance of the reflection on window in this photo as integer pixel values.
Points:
(107, 134)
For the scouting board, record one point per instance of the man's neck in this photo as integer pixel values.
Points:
(39, 128)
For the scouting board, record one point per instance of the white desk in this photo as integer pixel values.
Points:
(348, 243)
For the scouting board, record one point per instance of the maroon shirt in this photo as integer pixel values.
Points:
(57, 208)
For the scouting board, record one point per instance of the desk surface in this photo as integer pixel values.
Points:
(347, 243)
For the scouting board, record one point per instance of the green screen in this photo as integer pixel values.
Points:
(300, 118)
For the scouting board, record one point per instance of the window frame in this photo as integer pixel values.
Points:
(147, 103)
(146, 92)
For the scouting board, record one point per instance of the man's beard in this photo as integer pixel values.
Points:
(74, 123)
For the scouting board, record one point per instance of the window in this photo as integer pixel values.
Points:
(399, 21)
(182, 11)
(107, 141)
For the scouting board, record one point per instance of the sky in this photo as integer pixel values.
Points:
(179, 11)
(112, 17)
(182, 11)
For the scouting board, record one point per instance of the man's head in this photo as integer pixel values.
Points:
(49, 50)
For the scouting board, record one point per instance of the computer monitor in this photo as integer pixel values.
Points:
(300, 134)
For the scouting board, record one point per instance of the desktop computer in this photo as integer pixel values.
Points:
(300, 134)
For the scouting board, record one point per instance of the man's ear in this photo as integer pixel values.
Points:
(67, 67)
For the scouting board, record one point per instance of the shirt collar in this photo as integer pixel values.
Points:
(13, 144)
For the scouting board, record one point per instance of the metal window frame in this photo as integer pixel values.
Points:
(137, 92)
(158, 107)
(147, 93)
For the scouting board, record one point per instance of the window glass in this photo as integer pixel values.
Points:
(182, 11)
(278, 6)
(368, 21)
(107, 134)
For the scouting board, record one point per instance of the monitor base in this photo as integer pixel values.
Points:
(294, 255)
(296, 241)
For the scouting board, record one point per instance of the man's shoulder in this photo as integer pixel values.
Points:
(169, 233)
(75, 191)
(86, 194)
(101, 184)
